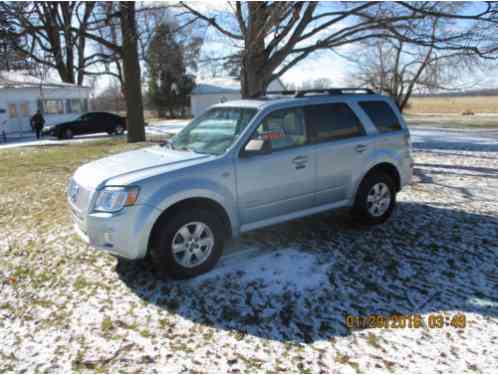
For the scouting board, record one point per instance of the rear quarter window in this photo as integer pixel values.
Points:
(382, 115)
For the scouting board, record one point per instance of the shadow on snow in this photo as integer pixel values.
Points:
(296, 282)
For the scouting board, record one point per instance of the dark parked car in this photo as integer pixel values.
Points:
(88, 123)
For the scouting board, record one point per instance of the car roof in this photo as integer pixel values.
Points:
(282, 101)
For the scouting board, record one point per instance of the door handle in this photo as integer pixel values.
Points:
(360, 148)
(300, 159)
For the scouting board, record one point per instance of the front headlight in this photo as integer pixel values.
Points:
(115, 198)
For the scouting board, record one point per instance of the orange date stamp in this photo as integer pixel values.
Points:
(413, 321)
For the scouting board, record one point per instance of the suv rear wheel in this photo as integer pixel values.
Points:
(187, 244)
(375, 199)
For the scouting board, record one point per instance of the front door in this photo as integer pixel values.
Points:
(283, 181)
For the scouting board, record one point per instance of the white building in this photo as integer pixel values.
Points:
(208, 92)
(21, 95)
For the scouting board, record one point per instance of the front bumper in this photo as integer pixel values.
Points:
(124, 234)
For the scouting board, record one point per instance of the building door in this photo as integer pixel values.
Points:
(24, 116)
(13, 123)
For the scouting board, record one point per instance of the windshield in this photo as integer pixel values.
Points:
(214, 131)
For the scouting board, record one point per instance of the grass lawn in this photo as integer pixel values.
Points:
(36, 180)
(455, 104)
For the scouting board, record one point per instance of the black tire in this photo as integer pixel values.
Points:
(362, 209)
(161, 252)
(110, 132)
(67, 133)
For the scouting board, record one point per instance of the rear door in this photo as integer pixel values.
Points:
(281, 182)
(340, 146)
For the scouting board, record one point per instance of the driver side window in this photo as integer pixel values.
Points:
(283, 129)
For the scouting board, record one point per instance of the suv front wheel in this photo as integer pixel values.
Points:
(187, 244)
(375, 199)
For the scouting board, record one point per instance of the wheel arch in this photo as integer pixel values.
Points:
(191, 203)
(386, 167)
(389, 169)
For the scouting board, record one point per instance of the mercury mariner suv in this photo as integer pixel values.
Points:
(240, 166)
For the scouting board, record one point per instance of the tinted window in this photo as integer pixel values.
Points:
(2, 110)
(334, 121)
(381, 115)
(283, 128)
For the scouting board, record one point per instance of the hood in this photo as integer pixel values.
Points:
(97, 173)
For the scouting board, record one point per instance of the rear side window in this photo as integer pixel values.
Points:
(382, 115)
(333, 121)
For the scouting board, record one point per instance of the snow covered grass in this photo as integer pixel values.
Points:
(276, 302)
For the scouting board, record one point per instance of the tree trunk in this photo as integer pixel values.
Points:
(254, 73)
(131, 67)
(253, 76)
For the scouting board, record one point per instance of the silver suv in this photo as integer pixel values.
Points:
(240, 166)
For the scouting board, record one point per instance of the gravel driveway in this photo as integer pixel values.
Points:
(278, 299)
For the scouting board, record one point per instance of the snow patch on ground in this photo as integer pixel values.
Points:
(285, 269)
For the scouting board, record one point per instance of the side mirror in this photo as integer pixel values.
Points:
(256, 147)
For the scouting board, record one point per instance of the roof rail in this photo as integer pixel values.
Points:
(329, 91)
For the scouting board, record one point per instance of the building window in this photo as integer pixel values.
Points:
(53, 106)
(24, 109)
(12, 111)
(73, 106)
(84, 105)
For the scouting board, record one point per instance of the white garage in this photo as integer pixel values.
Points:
(208, 92)
(21, 95)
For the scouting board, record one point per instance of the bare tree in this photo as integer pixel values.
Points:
(397, 67)
(112, 28)
(274, 36)
(44, 32)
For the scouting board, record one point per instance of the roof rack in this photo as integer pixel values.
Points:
(329, 91)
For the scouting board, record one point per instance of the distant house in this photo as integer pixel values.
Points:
(21, 95)
(208, 92)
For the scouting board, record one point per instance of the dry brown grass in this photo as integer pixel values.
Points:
(475, 104)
